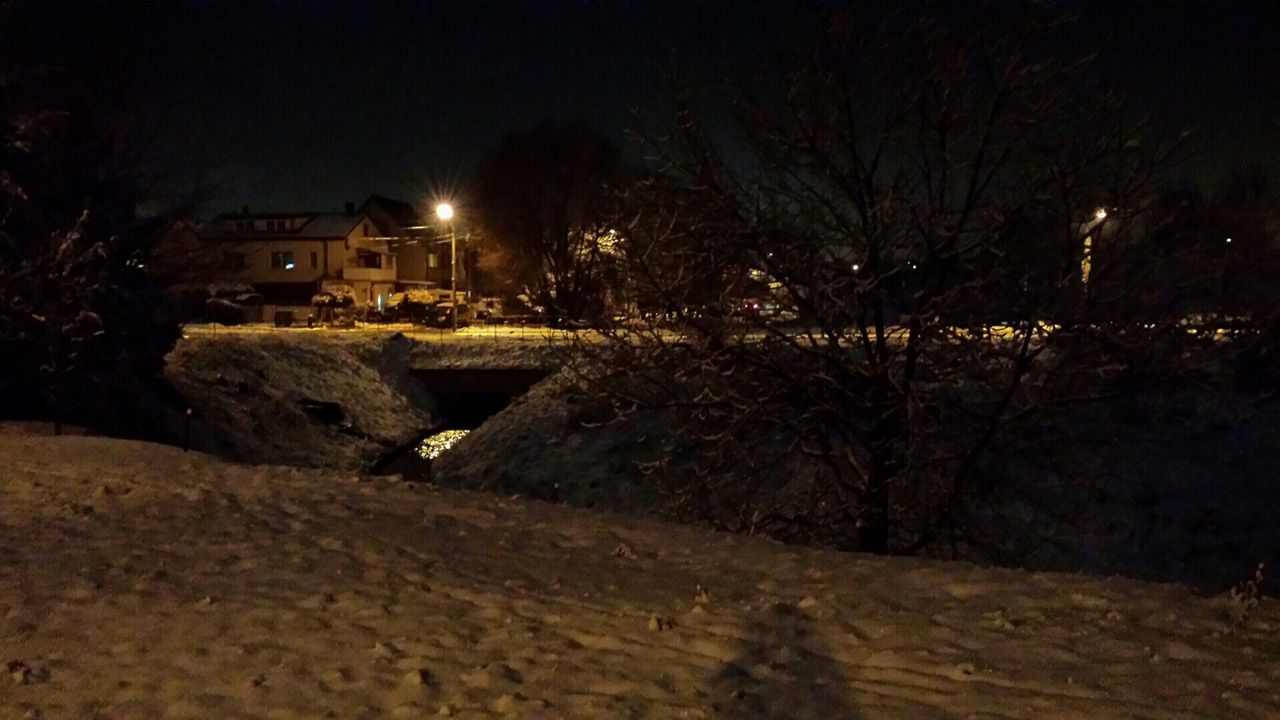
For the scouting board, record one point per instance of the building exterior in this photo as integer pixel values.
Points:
(421, 245)
(372, 251)
(289, 257)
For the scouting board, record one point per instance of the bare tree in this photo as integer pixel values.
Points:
(909, 266)
(543, 200)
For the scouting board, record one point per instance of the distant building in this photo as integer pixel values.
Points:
(421, 244)
(288, 257)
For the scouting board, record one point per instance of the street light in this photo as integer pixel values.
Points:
(444, 211)
(1086, 257)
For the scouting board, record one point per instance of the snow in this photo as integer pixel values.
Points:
(245, 391)
(479, 349)
(1171, 511)
(537, 447)
(474, 347)
(141, 581)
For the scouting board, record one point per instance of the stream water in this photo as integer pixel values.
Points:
(413, 461)
(467, 398)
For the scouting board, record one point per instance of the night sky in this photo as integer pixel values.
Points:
(305, 105)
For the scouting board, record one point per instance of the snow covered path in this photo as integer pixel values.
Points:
(142, 582)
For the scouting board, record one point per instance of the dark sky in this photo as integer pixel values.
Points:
(307, 104)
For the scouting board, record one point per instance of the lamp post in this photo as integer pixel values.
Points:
(444, 211)
(1086, 259)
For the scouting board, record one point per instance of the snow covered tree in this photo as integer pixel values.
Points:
(911, 264)
(80, 322)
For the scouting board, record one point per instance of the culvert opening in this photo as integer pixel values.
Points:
(465, 399)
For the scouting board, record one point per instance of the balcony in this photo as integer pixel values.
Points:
(352, 272)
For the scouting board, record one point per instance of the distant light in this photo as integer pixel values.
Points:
(913, 266)
(1100, 214)
(856, 267)
(1228, 240)
(444, 211)
(288, 266)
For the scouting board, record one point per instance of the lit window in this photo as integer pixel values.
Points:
(282, 260)
(433, 260)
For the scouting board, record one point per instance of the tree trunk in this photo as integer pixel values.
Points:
(873, 531)
(55, 387)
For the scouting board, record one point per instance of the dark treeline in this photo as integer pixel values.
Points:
(82, 325)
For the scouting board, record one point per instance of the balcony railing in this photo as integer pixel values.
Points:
(352, 272)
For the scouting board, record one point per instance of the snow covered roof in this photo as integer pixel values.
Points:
(315, 226)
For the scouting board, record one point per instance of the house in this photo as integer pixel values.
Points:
(381, 247)
(288, 257)
(421, 245)
(180, 257)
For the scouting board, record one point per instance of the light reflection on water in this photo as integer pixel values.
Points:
(432, 446)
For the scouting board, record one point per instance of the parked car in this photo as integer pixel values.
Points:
(489, 308)
(414, 306)
(441, 314)
(224, 312)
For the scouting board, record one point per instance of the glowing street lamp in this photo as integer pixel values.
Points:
(1086, 259)
(444, 211)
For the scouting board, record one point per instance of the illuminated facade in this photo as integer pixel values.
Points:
(288, 257)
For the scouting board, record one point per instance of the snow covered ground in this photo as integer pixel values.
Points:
(537, 447)
(507, 334)
(247, 391)
(144, 582)
(1171, 510)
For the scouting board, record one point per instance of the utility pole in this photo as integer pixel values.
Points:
(453, 274)
(444, 211)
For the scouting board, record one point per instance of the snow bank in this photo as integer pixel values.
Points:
(1171, 510)
(479, 350)
(145, 582)
(537, 447)
(473, 347)
(261, 398)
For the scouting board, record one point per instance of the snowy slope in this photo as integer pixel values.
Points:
(142, 582)
(245, 391)
(536, 447)
(1171, 510)
(479, 350)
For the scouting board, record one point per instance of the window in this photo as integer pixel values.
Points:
(233, 261)
(282, 260)
(315, 260)
(368, 259)
(367, 233)
(433, 260)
